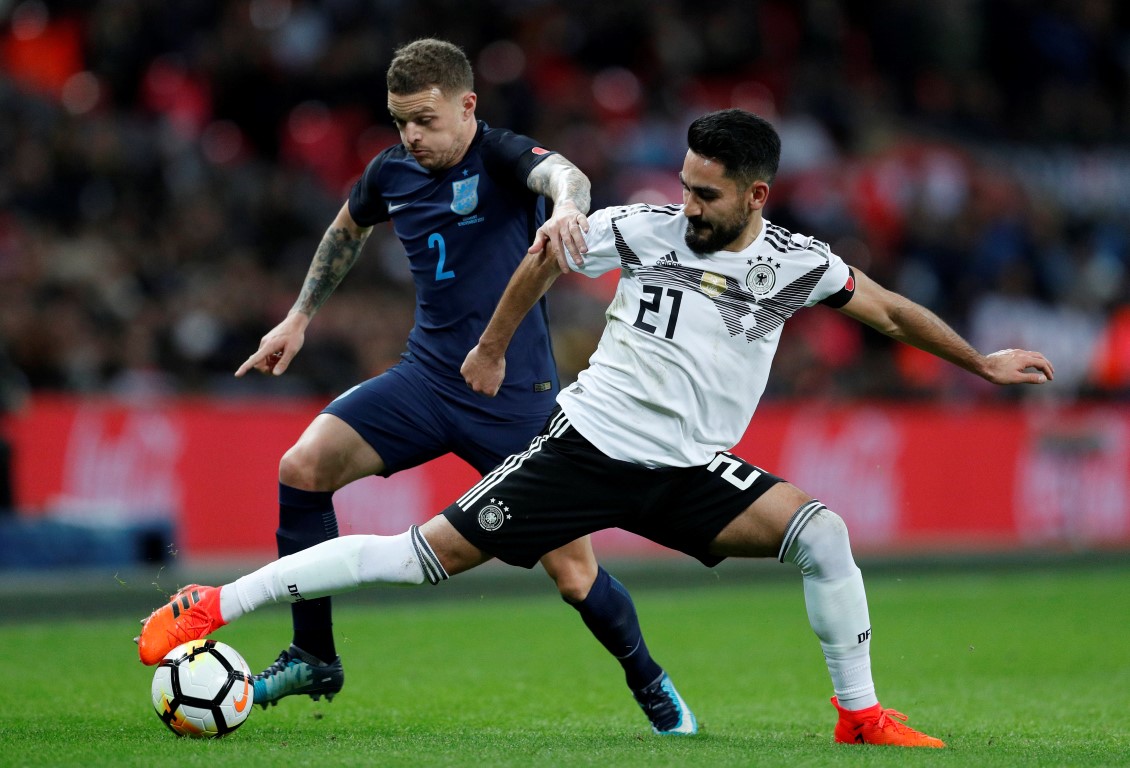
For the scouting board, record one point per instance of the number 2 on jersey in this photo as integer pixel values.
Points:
(436, 241)
(654, 306)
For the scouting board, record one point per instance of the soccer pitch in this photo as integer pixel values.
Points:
(1011, 666)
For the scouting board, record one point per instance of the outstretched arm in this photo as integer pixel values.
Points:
(902, 319)
(569, 189)
(336, 254)
(485, 366)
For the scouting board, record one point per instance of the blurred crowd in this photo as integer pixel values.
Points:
(167, 168)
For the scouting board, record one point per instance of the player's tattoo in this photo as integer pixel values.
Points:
(560, 180)
(335, 256)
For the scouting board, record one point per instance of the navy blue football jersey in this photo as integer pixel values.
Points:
(465, 230)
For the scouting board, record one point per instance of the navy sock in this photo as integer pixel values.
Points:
(610, 615)
(307, 518)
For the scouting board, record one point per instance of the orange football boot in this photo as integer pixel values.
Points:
(876, 725)
(193, 613)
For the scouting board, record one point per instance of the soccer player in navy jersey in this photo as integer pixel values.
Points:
(466, 200)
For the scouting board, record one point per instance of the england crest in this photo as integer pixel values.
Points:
(465, 195)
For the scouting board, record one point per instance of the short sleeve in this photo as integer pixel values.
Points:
(836, 284)
(602, 256)
(511, 156)
(366, 204)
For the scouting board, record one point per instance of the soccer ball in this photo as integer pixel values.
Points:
(203, 689)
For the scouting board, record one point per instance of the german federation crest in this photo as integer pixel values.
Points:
(465, 195)
(761, 279)
(493, 515)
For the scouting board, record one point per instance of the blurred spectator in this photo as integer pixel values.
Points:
(13, 394)
(166, 168)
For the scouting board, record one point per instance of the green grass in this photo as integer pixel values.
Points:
(1012, 668)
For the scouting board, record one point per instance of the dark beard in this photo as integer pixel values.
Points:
(716, 236)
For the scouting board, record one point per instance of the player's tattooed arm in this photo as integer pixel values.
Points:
(562, 182)
(570, 190)
(336, 254)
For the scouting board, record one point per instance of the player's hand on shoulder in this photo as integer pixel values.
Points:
(1018, 366)
(278, 347)
(483, 372)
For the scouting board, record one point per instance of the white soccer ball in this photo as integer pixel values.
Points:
(203, 689)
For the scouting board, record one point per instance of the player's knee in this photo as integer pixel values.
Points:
(829, 527)
(822, 547)
(573, 580)
(302, 468)
(574, 590)
(454, 553)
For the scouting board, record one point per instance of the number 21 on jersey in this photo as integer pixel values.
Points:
(656, 307)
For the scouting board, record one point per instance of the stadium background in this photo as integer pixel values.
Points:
(167, 169)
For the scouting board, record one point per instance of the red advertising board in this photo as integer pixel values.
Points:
(906, 478)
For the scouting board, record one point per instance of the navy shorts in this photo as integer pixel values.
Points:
(562, 488)
(409, 420)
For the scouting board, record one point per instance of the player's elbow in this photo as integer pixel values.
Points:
(893, 316)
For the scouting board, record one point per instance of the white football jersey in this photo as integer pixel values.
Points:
(690, 337)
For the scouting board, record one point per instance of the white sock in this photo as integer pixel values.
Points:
(817, 541)
(339, 565)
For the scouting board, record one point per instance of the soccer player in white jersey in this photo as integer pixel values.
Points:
(641, 439)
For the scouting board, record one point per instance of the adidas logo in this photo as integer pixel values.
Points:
(669, 260)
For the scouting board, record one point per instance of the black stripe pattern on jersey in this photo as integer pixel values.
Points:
(742, 312)
(783, 241)
(776, 309)
(778, 238)
(628, 258)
